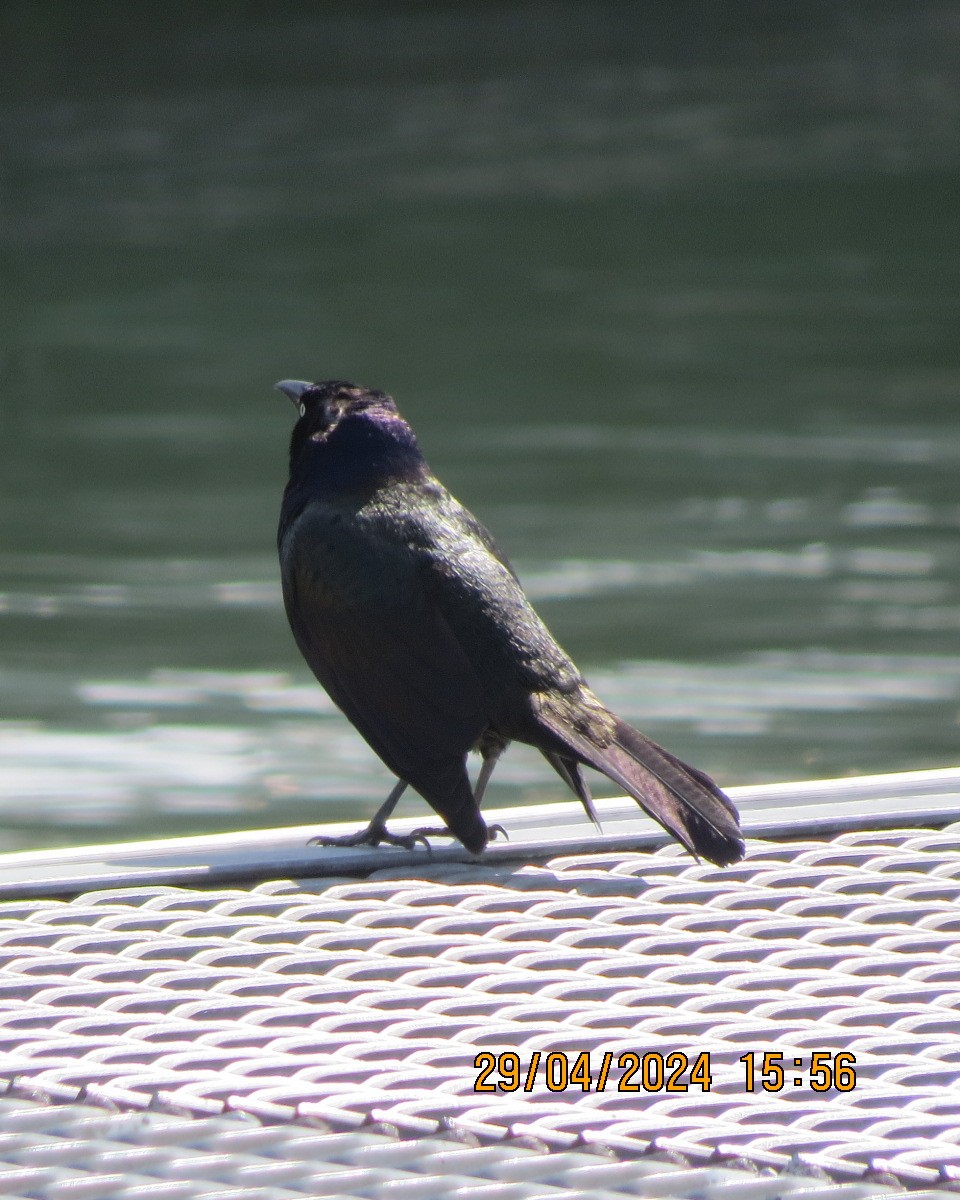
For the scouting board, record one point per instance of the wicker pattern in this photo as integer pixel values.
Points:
(308, 1023)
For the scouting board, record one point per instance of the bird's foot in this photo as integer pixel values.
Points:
(376, 833)
(495, 830)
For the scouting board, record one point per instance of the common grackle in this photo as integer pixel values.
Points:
(415, 623)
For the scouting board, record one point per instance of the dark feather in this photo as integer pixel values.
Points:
(569, 771)
(687, 803)
(392, 666)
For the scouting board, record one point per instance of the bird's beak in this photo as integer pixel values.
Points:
(293, 389)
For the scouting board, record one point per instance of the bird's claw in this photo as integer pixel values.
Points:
(421, 835)
(375, 834)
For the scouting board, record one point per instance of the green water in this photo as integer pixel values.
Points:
(670, 296)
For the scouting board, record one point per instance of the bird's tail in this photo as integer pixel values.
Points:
(685, 801)
(569, 771)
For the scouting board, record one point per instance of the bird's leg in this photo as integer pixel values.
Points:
(377, 832)
(491, 755)
(386, 808)
(486, 770)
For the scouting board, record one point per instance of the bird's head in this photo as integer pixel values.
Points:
(350, 428)
(323, 406)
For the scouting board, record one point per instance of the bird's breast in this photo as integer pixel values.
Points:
(343, 559)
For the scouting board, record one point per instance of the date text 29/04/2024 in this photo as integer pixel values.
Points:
(656, 1072)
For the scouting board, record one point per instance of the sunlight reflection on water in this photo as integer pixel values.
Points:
(182, 743)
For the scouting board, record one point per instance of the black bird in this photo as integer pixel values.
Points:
(412, 619)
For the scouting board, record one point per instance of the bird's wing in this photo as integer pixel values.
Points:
(383, 650)
(476, 589)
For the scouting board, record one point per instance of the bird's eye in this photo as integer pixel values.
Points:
(303, 410)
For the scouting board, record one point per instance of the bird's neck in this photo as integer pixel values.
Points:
(364, 453)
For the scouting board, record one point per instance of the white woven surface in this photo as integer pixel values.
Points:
(344, 1002)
